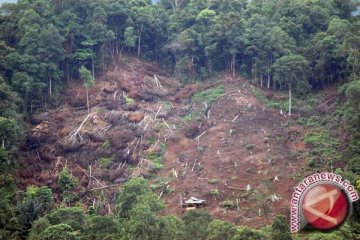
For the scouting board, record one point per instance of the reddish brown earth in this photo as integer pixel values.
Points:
(133, 114)
(236, 121)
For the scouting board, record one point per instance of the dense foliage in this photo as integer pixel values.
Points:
(293, 45)
(44, 43)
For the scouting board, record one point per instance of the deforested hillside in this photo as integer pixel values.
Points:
(118, 118)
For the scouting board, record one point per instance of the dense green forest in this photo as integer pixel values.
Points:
(297, 46)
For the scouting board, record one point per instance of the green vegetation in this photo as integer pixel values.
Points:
(229, 204)
(278, 104)
(66, 180)
(214, 193)
(324, 147)
(209, 95)
(161, 184)
(213, 181)
(291, 46)
(89, 82)
(249, 146)
(128, 100)
(309, 122)
(105, 162)
(157, 156)
(106, 144)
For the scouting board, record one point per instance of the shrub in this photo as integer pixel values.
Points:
(66, 180)
(249, 146)
(214, 193)
(311, 163)
(209, 95)
(229, 204)
(213, 181)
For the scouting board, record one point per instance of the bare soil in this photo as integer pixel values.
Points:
(135, 109)
(244, 144)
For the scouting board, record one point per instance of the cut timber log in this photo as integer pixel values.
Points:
(235, 188)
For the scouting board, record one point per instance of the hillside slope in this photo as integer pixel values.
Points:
(227, 147)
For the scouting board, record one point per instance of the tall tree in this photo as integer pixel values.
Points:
(291, 70)
(89, 82)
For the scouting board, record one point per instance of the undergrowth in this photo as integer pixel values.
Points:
(208, 95)
(272, 103)
(157, 157)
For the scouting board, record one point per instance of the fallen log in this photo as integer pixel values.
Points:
(235, 188)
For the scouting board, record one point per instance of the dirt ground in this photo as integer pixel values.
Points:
(238, 148)
(244, 145)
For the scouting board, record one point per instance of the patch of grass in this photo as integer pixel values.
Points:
(324, 146)
(259, 95)
(100, 110)
(105, 162)
(208, 95)
(106, 145)
(213, 181)
(157, 157)
(152, 140)
(128, 100)
(214, 193)
(229, 204)
(316, 138)
(310, 122)
(272, 103)
(167, 106)
(192, 116)
(162, 184)
(281, 104)
(161, 126)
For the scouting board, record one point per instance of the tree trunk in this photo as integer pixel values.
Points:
(67, 71)
(268, 74)
(233, 64)
(116, 43)
(92, 67)
(139, 41)
(50, 83)
(210, 66)
(87, 100)
(289, 99)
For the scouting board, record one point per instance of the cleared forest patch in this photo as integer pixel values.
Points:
(211, 140)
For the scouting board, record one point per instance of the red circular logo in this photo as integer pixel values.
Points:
(325, 206)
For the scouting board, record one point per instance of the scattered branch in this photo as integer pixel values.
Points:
(222, 95)
(198, 137)
(157, 113)
(235, 188)
(77, 108)
(168, 126)
(194, 165)
(76, 133)
(103, 187)
(157, 82)
(90, 176)
(235, 118)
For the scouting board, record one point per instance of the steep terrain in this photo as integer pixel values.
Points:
(229, 149)
(244, 157)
